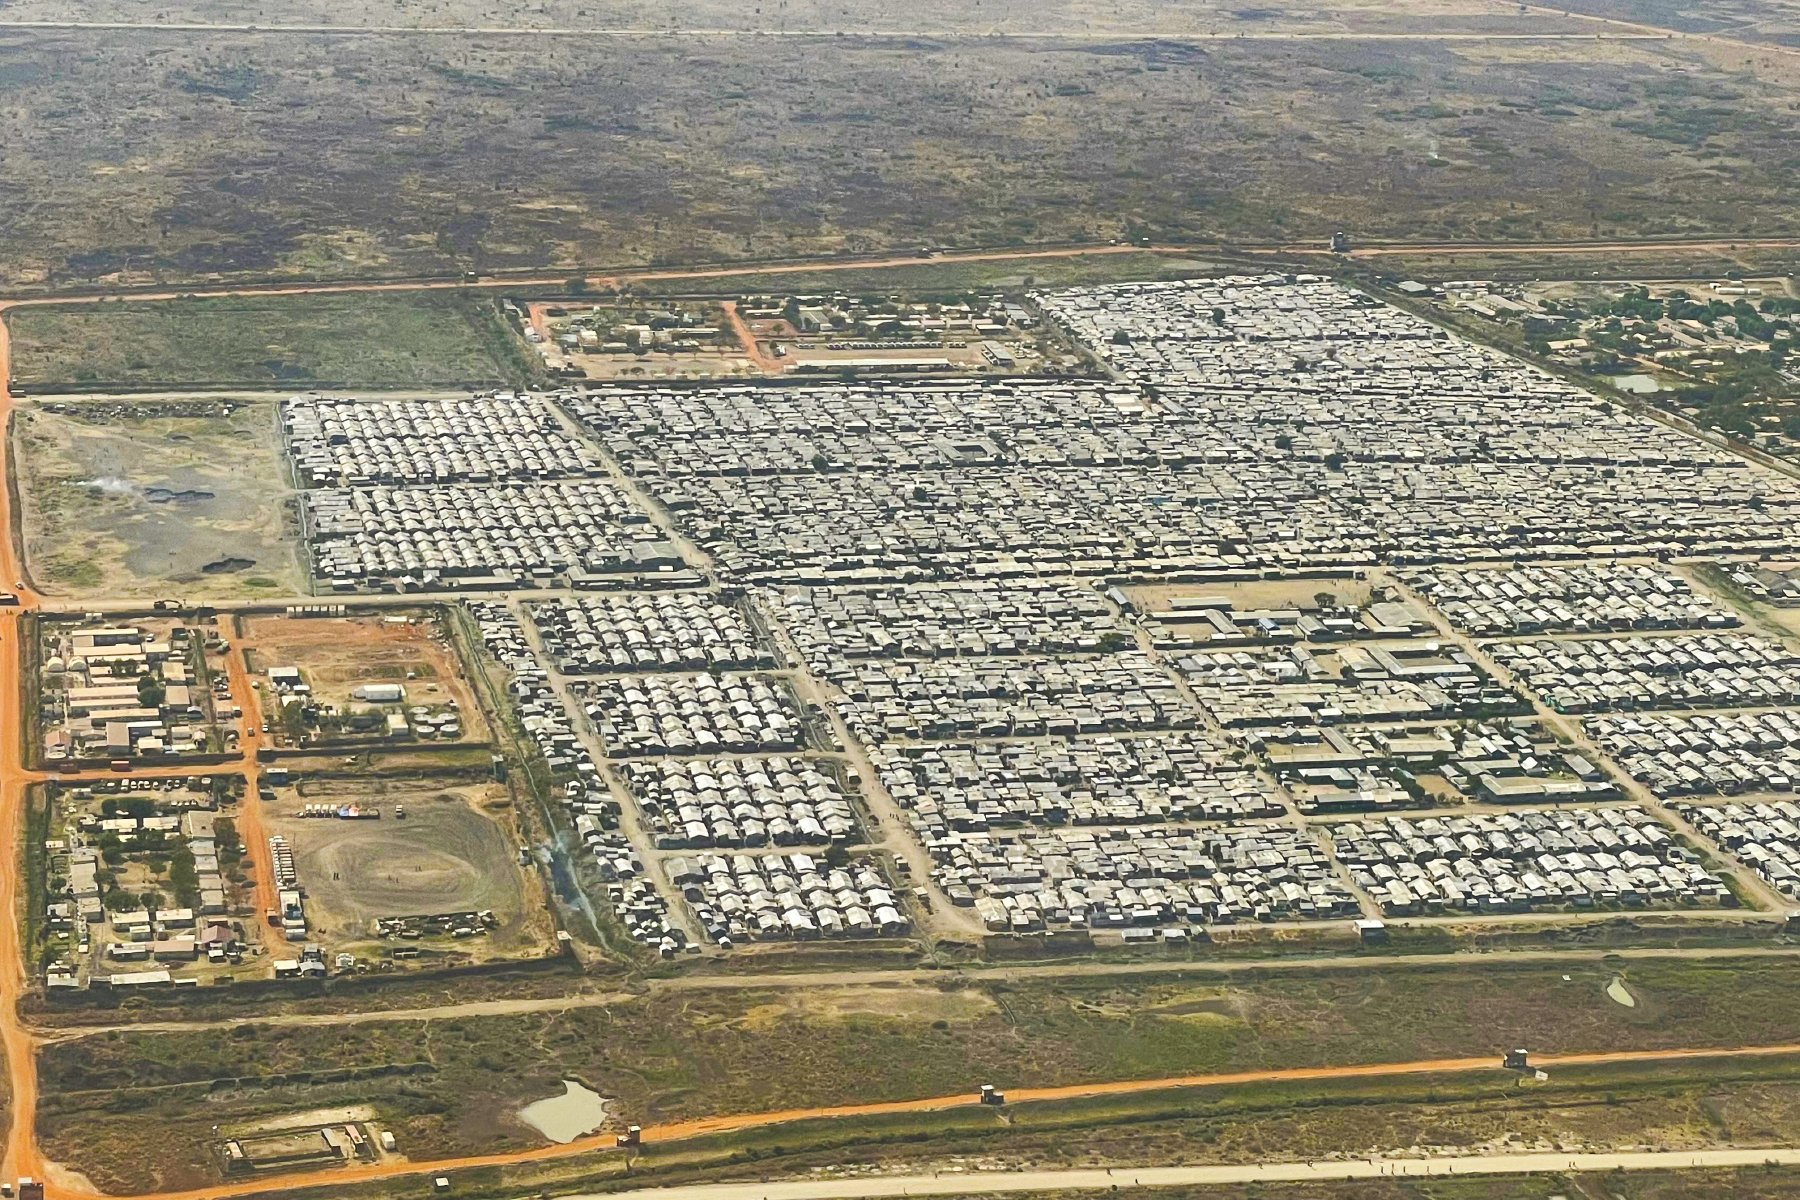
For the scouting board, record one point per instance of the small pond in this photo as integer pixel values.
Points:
(576, 1113)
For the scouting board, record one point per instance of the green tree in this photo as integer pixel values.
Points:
(225, 840)
(183, 879)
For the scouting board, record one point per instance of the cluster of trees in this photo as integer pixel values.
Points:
(1757, 321)
(128, 806)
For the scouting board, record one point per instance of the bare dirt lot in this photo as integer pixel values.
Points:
(1292, 593)
(135, 499)
(335, 655)
(453, 851)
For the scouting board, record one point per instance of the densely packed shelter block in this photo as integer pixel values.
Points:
(1624, 673)
(1700, 754)
(1577, 598)
(1115, 878)
(673, 631)
(963, 787)
(1119, 650)
(1525, 862)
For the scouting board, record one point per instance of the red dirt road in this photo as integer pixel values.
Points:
(765, 362)
(22, 1156)
(250, 823)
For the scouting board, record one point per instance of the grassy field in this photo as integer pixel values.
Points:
(410, 339)
(1670, 1107)
(943, 278)
(1593, 265)
(452, 1086)
(312, 156)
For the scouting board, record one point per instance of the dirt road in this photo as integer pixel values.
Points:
(21, 1155)
(765, 362)
(249, 817)
(1625, 27)
(1462, 249)
(559, 282)
(598, 283)
(525, 1006)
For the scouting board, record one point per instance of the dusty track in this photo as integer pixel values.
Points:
(1662, 31)
(559, 282)
(526, 1006)
(249, 816)
(21, 1156)
(752, 348)
(1460, 249)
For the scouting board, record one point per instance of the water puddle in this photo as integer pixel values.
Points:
(163, 495)
(576, 1113)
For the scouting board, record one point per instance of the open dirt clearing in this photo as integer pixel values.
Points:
(1293, 593)
(452, 852)
(132, 500)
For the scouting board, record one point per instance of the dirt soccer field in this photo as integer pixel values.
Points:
(454, 851)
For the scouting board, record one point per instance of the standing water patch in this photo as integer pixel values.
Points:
(576, 1113)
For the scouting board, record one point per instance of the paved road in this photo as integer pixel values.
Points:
(1101, 1180)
